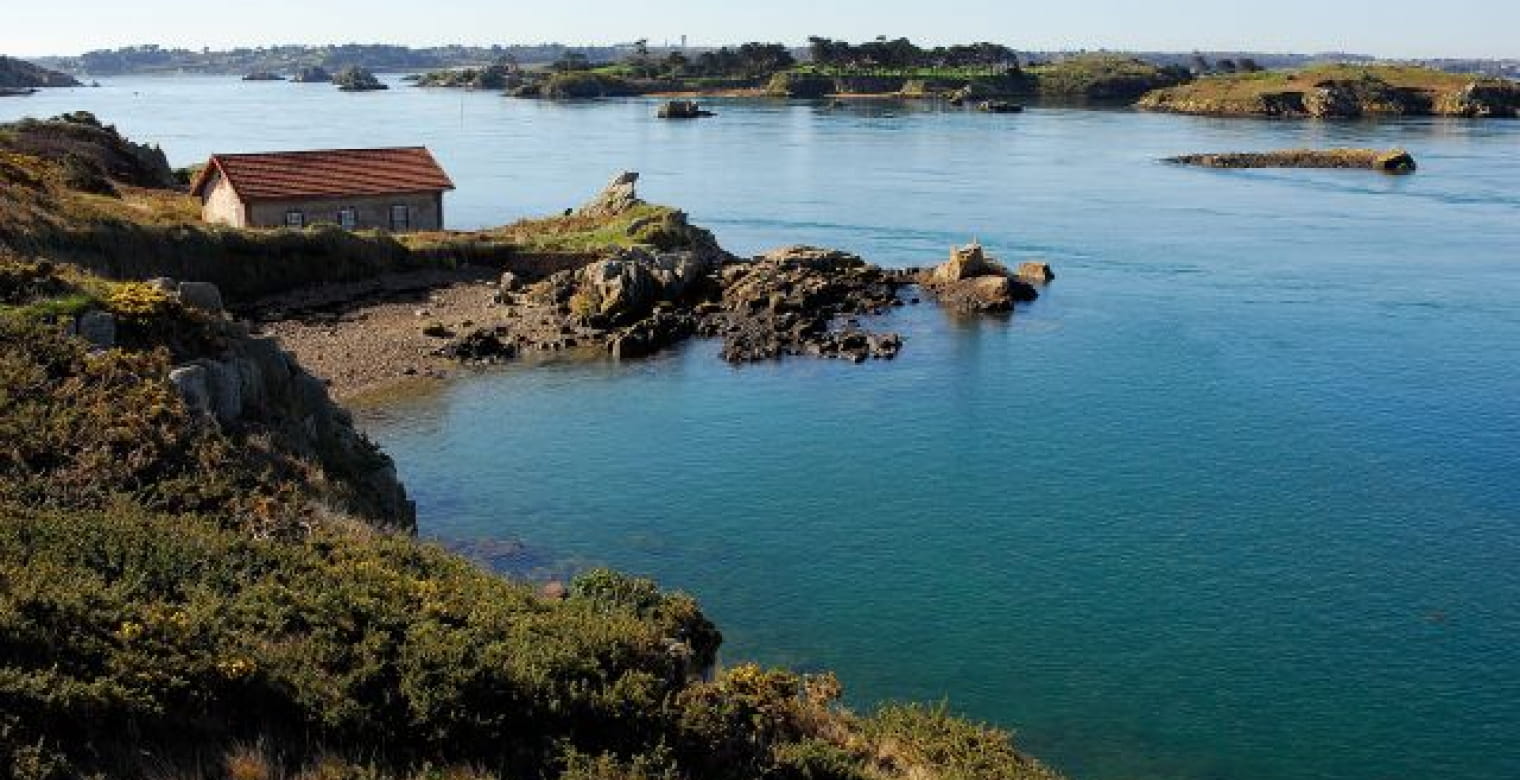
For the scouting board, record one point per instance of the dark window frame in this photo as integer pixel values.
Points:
(348, 218)
(295, 218)
(405, 222)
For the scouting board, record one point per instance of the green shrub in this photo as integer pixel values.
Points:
(586, 84)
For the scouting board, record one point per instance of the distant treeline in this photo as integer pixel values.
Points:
(748, 60)
(288, 59)
(902, 53)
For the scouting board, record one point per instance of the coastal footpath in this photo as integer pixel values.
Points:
(205, 571)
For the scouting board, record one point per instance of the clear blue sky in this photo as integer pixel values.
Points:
(1391, 28)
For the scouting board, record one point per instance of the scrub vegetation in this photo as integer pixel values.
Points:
(174, 605)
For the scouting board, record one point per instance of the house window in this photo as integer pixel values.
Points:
(401, 218)
(348, 219)
(295, 219)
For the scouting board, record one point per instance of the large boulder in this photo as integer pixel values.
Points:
(620, 196)
(1036, 273)
(201, 295)
(626, 287)
(191, 383)
(98, 328)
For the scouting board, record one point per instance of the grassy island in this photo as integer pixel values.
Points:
(186, 592)
(1341, 91)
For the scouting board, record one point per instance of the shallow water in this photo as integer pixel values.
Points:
(1236, 498)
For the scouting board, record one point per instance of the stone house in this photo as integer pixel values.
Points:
(398, 189)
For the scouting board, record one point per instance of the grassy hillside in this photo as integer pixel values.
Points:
(1341, 91)
(76, 191)
(174, 602)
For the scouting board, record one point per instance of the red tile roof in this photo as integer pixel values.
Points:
(330, 172)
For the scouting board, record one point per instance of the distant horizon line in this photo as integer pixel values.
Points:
(206, 48)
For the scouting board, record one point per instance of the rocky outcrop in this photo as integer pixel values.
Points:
(358, 80)
(1396, 161)
(1483, 100)
(250, 384)
(681, 109)
(618, 197)
(1036, 273)
(803, 301)
(625, 288)
(972, 283)
(93, 156)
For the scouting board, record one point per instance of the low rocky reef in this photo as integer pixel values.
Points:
(1341, 92)
(1395, 161)
(795, 301)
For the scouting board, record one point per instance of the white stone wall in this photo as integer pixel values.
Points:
(222, 204)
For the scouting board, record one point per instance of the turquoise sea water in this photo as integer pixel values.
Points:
(1239, 497)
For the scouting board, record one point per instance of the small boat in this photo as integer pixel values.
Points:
(17, 91)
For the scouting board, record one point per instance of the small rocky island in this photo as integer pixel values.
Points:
(355, 79)
(1395, 161)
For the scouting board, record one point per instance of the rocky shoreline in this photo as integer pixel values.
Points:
(792, 302)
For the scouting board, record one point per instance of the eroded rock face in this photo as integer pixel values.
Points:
(253, 384)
